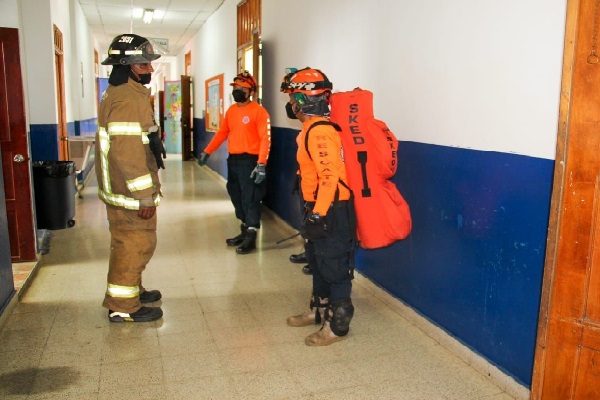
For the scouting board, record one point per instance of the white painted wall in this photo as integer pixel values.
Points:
(9, 14)
(476, 74)
(37, 20)
(83, 80)
(213, 53)
(38, 59)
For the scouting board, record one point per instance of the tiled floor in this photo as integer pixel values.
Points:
(223, 335)
(22, 272)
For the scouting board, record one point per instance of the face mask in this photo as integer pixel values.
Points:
(239, 96)
(145, 78)
(290, 111)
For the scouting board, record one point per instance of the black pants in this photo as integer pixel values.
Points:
(245, 195)
(332, 258)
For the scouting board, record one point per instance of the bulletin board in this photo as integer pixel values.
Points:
(214, 103)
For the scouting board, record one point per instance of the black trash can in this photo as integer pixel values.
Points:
(54, 185)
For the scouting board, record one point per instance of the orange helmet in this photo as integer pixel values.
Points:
(309, 81)
(244, 79)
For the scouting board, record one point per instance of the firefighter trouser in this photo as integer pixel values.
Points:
(245, 195)
(132, 244)
(332, 258)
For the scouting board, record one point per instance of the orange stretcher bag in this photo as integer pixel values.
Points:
(371, 158)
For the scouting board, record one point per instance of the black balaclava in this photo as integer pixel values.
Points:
(119, 74)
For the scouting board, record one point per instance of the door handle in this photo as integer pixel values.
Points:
(19, 158)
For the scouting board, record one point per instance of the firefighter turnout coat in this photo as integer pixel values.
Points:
(125, 166)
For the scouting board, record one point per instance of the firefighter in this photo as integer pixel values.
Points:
(329, 220)
(128, 154)
(247, 129)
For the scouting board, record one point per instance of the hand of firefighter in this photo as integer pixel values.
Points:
(314, 228)
(156, 146)
(147, 208)
(258, 173)
(203, 158)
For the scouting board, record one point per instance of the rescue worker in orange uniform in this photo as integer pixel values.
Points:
(247, 129)
(127, 172)
(329, 223)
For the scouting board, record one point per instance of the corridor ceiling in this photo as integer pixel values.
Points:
(175, 22)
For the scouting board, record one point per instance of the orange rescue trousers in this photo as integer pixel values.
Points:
(132, 244)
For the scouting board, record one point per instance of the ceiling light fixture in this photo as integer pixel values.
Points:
(148, 14)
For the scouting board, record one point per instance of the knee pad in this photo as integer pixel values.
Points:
(340, 316)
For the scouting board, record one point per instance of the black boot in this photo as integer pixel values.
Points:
(298, 258)
(236, 241)
(249, 243)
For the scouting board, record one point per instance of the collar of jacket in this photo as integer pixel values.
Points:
(138, 87)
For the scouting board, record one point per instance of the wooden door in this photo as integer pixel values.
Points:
(161, 110)
(15, 152)
(256, 66)
(63, 145)
(186, 120)
(567, 360)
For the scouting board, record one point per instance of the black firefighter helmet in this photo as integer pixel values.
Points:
(129, 49)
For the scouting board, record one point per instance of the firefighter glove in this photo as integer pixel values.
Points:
(314, 228)
(258, 173)
(157, 148)
(203, 158)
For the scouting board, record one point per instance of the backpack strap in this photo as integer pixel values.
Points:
(335, 126)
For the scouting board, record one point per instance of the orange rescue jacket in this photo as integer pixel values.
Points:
(323, 168)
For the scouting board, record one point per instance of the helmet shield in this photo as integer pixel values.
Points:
(129, 49)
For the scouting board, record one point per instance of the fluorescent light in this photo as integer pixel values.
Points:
(148, 14)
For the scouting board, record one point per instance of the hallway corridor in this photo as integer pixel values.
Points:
(224, 334)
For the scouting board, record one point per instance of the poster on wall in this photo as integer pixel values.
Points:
(214, 103)
(173, 117)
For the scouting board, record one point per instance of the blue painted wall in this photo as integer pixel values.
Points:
(44, 137)
(44, 142)
(473, 263)
(86, 127)
(218, 159)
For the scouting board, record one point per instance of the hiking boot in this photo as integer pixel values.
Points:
(249, 243)
(312, 317)
(144, 314)
(150, 296)
(323, 337)
(307, 270)
(298, 258)
(237, 240)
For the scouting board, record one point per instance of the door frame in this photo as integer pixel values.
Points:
(553, 325)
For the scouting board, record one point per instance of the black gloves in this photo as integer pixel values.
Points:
(203, 158)
(314, 228)
(156, 146)
(259, 173)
